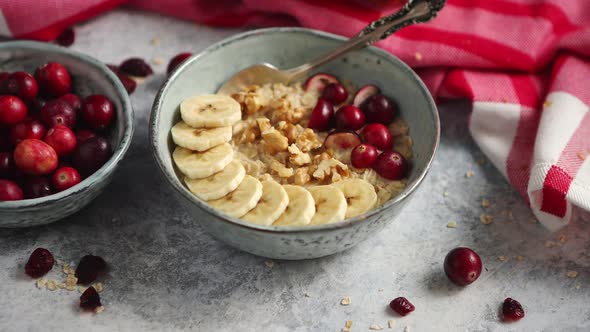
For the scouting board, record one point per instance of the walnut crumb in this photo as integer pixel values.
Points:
(571, 274)
(274, 141)
(51, 285)
(520, 258)
(376, 327)
(501, 258)
(298, 157)
(486, 219)
(269, 264)
(41, 283)
(308, 140)
(469, 174)
(331, 168)
(345, 301)
(98, 310)
(451, 224)
(485, 203)
(391, 323)
(348, 324)
(280, 169)
(301, 176)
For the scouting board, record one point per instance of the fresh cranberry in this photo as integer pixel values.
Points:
(177, 60)
(65, 177)
(58, 112)
(12, 110)
(73, 99)
(127, 81)
(90, 300)
(364, 93)
(91, 154)
(98, 112)
(349, 117)
(363, 156)
(136, 67)
(83, 134)
(37, 186)
(22, 85)
(27, 129)
(40, 262)
(318, 82)
(10, 191)
(35, 157)
(512, 310)
(402, 306)
(6, 165)
(335, 93)
(89, 268)
(462, 266)
(321, 116)
(342, 140)
(377, 135)
(66, 38)
(380, 109)
(54, 79)
(391, 165)
(62, 139)
(35, 105)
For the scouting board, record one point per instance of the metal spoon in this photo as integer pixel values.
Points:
(415, 11)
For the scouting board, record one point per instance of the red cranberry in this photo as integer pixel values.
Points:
(319, 81)
(12, 110)
(342, 140)
(512, 310)
(391, 165)
(377, 135)
(91, 155)
(54, 79)
(335, 93)
(35, 157)
(37, 186)
(128, 82)
(462, 266)
(98, 112)
(10, 191)
(40, 262)
(349, 117)
(83, 134)
(90, 300)
(3, 79)
(73, 99)
(364, 93)
(27, 129)
(22, 85)
(6, 165)
(35, 105)
(380, 109)
(402, 306)
(62, 139)
(58, 112)
(178, 59)
(89, 268)
(66, 38)
(321, 116)
(363, 156)
(65, 177)
(136, 67)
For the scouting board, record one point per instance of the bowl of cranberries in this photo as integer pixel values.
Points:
(65, 123)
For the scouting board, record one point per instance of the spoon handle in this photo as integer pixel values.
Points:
(415, 11)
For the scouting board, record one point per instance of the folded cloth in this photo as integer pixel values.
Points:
(525, 64)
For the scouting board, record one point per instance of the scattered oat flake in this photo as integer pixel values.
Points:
(269, 264)
(549, 244)
(520, 258)
(376, 327)
(348, 324)
(307, 295)
(157, 61)
(155, 41)
(61, 285)
(581, 155)
(577, 286)
(418, 56)
(71, 280)
(562, 238)
(485, 203)
(571, 274)
(345, 300)
(469, 174)
(451, 224)
(41, 283)
(98, 286)
(486, 219)
(71, 288)
(446, 194)
(51, 285)
(391, 323)
(100, 309)
(501, 258)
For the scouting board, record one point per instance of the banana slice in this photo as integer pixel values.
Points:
(210, 111)
(218, 184)
(272, 204)
(360, 196)
(301, 207)
(198, 165)
(240, 201)
(330, 205)
(200, 139)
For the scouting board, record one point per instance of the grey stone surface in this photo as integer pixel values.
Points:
(166, 274)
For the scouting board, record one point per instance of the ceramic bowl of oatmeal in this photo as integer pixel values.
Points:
(294, 171)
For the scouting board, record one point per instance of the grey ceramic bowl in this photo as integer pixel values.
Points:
(89, 76)
(287, 47)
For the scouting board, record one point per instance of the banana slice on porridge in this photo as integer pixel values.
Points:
(271, 206)
(210, 111)
(200, 139)
(360, 196)
(330, 204)
(198, 165)
(238, 202)
(218, 184)
(301, 207)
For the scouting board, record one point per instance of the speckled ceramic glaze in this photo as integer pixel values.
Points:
(89, 76)
(285, 48)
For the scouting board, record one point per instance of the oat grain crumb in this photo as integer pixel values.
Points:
(41, 283)
(376, 327)
(451, 224)
(158, 61)
(469, 174)
(345, 301)
(391, 323)
(571, 274)
(501, 258)
(307, 295)
(99, 287)
(520, 258)
(155, 41)
(446, 194)
(98, 310)
(51, 285)
(269, 264)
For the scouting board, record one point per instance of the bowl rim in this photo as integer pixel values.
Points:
(118, 153)
(157, 107)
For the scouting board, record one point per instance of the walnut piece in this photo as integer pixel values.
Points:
(298, 157)
(263, 124)
(280, 169)
(331, 169)
(308, 140)
(274, 141)
(301, 176)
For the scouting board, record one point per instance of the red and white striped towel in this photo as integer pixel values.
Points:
(525, 64)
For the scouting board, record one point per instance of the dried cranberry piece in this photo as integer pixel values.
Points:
(402, 306)
(90, 300)
(136, 67)
(512, 310)
(127, 81)
(40, 262)
(66, 38)
(89, 268)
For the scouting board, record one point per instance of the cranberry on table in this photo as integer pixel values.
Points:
(22, 85)
(84, 134)
(12, 110)
(391, 165)
(129, 83)
(364, 156)
(40, 262)
(321, 116)
(35, 157)
(377, 135)
(89, 268)
(349, 117)
(37, 186)
(176, 60)
(73, 99)
(58, 112)
(380, 109)
(6, 165)
(65, 177)
(91, 154)
(66, 38)
(62, 139)
(335, 93)
(462, 266)
(98, 112)
(136, 67)
(402, 306)
(90, 300)
(10, 191)
(27, 129)
(54, 79)
(512, 310)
